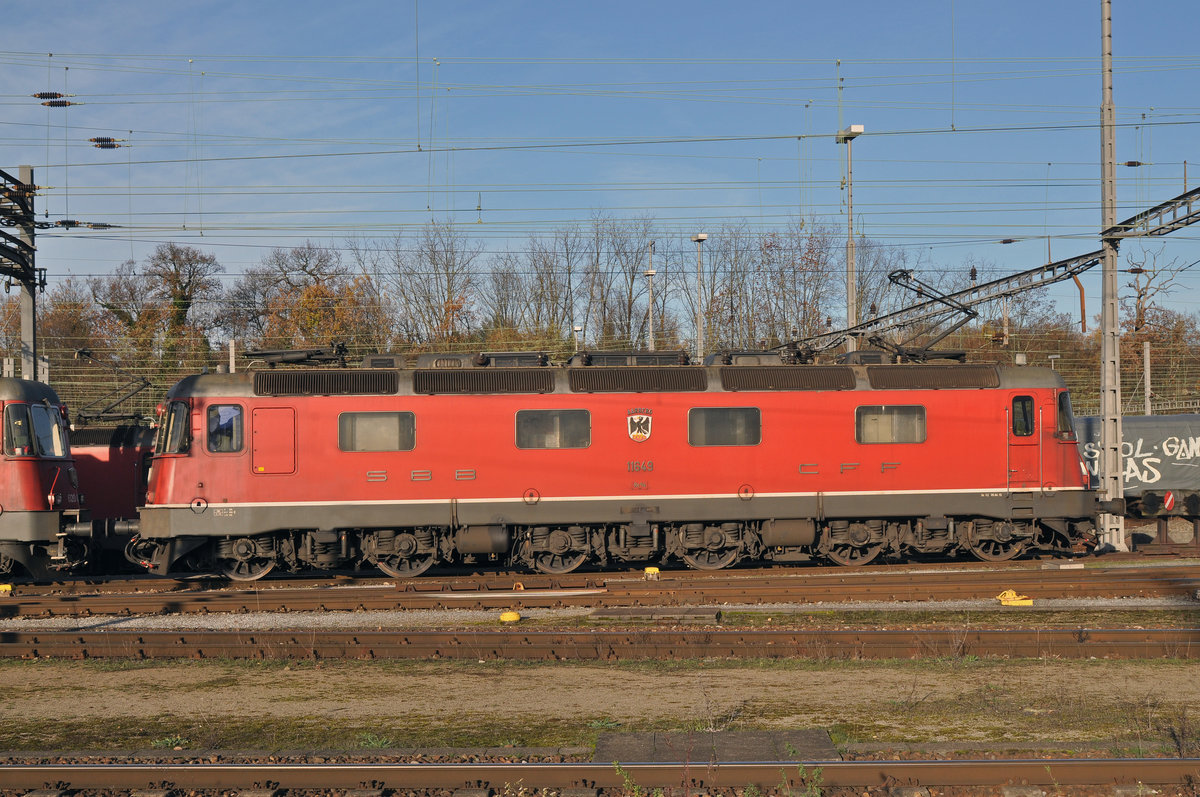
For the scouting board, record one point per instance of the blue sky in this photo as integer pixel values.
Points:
(253, 125)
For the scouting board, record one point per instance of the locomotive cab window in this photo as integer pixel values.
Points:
(1023, 424)
(376, 431)
(49, 430)
(225, 428)
(172, 437)
(18, 439)
(724, 426)
(889, 424)
(554, 429)
(1065, 424)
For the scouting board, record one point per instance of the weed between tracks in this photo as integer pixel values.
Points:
(1148, 706)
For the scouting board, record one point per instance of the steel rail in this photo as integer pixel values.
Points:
(457, 577)
(465, 578)
(769, 774)
(677, 589)
(517, 644)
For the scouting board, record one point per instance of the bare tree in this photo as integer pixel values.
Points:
(798, 281)
(134, 320)
(555, 267)
(182, 276)
(1152, 282)
(434, 285)
(505, 301)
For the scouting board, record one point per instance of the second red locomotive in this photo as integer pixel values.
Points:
(606, 460)
(43, 522)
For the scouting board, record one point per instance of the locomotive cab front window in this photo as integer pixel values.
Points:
(48, 430)
(18, 439)
(1065, 425)
(225, 428)
(172, 435)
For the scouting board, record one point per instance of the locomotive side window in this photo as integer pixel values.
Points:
(225, 428)
(1022, 416)
(1065, 426)
(889, 424)
(172, 437)
(376, 431)
(554, 429)
(18, 441)
(724, 426)
(48, 430)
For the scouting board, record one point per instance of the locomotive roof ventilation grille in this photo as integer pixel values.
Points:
(483, 380)
(326, 383)
(123, 436)
(637, 380)
(788, 377)
(917, 377)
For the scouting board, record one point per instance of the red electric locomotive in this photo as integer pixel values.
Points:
(607, 460)
(43, 525)
(113, 462)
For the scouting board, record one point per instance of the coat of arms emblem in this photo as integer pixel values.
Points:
(639, 425)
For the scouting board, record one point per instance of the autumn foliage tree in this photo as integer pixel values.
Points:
(438, 288)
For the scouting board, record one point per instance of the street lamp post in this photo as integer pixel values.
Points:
(578, 329)
(846, 135)
(699, 238)
(650, 272)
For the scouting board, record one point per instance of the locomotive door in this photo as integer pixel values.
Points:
(274, 440)
(1024, 442)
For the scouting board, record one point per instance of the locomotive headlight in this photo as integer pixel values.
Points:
(74, 477)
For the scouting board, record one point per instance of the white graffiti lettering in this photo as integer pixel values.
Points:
(1182, 447)
(1143, 470)
(1144, 459)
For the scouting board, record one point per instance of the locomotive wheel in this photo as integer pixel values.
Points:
(405, 560)
(245, 569)
(405, 567)
(6, 564)
(245, 564)
(996, 551)
(854, 555)
(558, 563)
(558, 557)
(705, 559)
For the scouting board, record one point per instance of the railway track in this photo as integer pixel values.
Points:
(598, 645)
(681, 588)
(487, 778)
